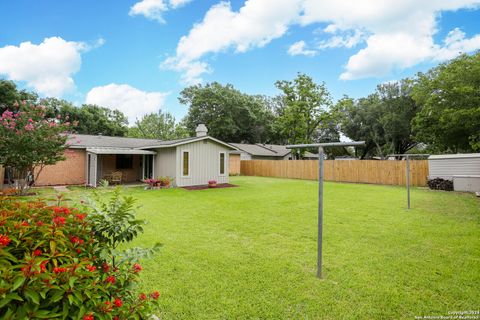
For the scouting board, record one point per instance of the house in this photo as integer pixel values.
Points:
(261, 151)
(190, 161)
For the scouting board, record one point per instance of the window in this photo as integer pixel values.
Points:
(222, 163)
(185, 163)
(124, 161)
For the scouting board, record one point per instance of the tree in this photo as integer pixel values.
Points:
(382, 119)
(448, 94)
(29, 141)
(159, 125)
(303, 108)
(9, 95)
(358, 120)
(229, 114)
(398, 109)
(92, 119)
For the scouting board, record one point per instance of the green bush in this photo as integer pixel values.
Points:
(55, 263)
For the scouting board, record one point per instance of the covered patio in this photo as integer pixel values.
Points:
(118, 165)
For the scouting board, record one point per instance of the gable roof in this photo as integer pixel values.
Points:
(179, 142)
(84, 141)
(261, 149)
(268, 150)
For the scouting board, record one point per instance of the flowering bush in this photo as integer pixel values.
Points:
(152, 182)
(53, 265)
(29, 142)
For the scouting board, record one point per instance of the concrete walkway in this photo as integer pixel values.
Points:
(61, 189)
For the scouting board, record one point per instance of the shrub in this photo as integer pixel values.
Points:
(55, 264)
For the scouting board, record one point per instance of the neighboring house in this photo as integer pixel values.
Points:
(267, 152)
(190, 161)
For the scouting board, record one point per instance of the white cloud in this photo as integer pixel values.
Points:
(254, 25)
(154, 9)
(134, 103)
(300, 48)
(456, 43)
(47, 67)
(342, 39)
(178, 3)
(379, 24)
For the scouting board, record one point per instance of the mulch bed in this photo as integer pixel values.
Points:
(203, 187)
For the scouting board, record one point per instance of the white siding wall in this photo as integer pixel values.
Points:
(204, 163)
(165, 163)
(449, 167)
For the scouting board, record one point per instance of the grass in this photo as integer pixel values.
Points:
(250, 252)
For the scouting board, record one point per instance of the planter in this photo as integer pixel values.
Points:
(212, 184)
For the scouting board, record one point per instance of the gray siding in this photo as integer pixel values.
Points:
(449, 167)
(165, 163)
(245, 156)
(204, 163)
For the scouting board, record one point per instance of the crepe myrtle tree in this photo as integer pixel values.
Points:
(28, 142)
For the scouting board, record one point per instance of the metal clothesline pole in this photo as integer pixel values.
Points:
(321, 155)
(407, 160)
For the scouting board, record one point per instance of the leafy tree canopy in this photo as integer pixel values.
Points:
(229, 115)
(303, 109)
(449, 95)
(159, 125)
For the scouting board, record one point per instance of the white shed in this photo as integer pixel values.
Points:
(462, 168)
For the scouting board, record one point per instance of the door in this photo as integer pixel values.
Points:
(92, 169)
(148, 166)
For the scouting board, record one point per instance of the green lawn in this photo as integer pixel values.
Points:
(250, 252)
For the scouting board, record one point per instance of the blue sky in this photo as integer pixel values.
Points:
(131, 54)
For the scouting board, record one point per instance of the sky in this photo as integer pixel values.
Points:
(137, 55)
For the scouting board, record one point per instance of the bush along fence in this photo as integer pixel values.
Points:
(387, 172)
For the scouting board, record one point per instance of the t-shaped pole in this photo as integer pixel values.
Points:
(321, 158)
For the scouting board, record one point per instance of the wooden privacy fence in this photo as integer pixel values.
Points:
(389, 172)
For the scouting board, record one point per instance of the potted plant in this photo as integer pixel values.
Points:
(164, 181)
(212, 183)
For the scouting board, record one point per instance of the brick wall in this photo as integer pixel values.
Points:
(70, 171)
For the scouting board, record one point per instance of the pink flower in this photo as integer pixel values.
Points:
(29, 127)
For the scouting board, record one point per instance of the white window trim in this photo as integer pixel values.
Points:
(189, 163)
(224, 165)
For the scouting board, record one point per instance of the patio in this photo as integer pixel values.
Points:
(119, 166)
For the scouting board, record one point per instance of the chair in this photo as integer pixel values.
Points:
(116, 177)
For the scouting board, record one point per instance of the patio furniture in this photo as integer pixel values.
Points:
(116, 177)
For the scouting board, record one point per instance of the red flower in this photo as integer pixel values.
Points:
(40, 223)
(61, 210)
(4, 240)
(118, 302)
(43, 266)
(105, 267)
(110, 279)
(108, 306)
(37, 252)
(25, 224)
(75, 239)
(142, 296)
(116, 318)
(80, 216)
(91, 268)
(58, 270)
(59, 220)
(137, 268)
(155, 295)
(78, 251)
(88, 317)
